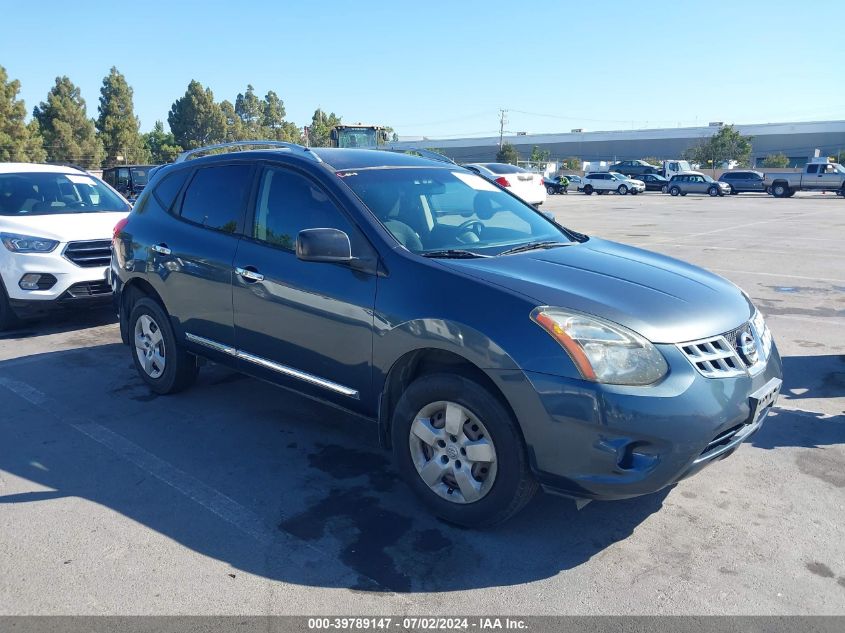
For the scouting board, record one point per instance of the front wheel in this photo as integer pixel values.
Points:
(713, 191)
(664, 189)
(460, 451)
(622, 190)
(161, 362)
(8, 318)
(674, 191)
(588, 190)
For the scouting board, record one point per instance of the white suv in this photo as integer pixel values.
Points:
(603, 182)
(56, 225)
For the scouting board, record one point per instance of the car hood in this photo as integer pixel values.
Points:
(64, 227)
(664, 299)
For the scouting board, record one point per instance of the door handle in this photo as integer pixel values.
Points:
(250, 274)
(160, 249)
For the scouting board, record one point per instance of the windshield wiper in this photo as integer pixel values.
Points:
(453, 253)
(530, 246)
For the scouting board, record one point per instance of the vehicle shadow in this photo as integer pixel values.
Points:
(61, 322)
(272, 483)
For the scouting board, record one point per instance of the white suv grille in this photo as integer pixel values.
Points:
(721, 357)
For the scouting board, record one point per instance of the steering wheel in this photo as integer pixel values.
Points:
(474, 226)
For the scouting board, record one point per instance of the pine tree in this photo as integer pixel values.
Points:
(19, 142)
(117, 124)
(234, 125)
(319, 134)
(195, 119)
(250, 110)
(69, 135)
(273, 121)
(161, 145)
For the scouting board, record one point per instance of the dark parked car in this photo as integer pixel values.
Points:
(634, 168)
(741, 181)
(129, 180)
(493, 349)
(655, 182)
(555, 184)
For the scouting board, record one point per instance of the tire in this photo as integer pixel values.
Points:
(713, 192)
(600, 192)
(674, 191)
(734, 192)
(8, 318)
(664, 189)
(634, 192)
(622, 190)
(588, 190)
(506, 484)
(171, 368)
(780, 190)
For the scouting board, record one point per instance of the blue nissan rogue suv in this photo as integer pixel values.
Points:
(496, 350)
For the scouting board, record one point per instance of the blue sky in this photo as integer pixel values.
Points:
(439, 68)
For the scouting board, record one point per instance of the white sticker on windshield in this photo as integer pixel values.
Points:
(81, 180)
(476, 182)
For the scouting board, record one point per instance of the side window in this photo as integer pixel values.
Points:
(811, 169)
(108, 176)
(215, 198)
(170, 186)
(123, 177)
(288, 203)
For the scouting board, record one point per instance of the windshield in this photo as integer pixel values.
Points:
(25, 194)
(357, 137)
(436, 209)
(618, 176)
(141, 176)
(708, 178)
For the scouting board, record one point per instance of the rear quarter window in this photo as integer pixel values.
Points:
(216, 197)
(169, 187)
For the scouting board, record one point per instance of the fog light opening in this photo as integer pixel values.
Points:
(37, 281)
(635, 456)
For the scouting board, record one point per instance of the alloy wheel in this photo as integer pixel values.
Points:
(453, 452)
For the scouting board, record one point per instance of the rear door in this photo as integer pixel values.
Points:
(193, 253)
(306, 325)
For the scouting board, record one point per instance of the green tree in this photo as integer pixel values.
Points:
(161, 145)
(840, 157)
(19, 142)
(234, 125)
(117, 123)
(507, 154)
(539, 157)
(273, 121)
(250, 110)
(195, 119)
(726, 145)
(776, 160)
(69, 135)
(319, 132)
(571, 163)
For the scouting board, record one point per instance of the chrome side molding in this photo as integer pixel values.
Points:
(274, 366)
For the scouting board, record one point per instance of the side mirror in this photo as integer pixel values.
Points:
(323, 245)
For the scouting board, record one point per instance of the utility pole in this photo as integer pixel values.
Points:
(502, 120)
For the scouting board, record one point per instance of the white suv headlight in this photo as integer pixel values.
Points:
(603, 351)
(27, 243)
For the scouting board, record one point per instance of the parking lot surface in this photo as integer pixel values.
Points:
(237, 497)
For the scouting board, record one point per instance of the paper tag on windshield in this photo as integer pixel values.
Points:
(476, 182)
(81, 180)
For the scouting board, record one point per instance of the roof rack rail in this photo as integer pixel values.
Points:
(280, 144)
(425, 153)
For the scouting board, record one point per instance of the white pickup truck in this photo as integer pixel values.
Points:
(817, 176)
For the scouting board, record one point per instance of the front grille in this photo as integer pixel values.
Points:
(89, 253)
(88, 289)
(721, 356)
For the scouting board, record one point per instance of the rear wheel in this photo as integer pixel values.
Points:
(674, 191)
(588, 190)
(664, 189)
(622, 190)
(161, 362)
(458, 448)
(8, 318)
(780, 190)
(550, 191)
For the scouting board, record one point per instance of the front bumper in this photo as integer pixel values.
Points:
(609, 442)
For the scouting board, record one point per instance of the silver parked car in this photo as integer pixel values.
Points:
(696, 182)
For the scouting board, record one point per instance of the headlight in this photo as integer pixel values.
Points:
(27, 243)
(763, 332)
(603, 351)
